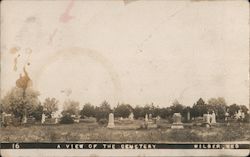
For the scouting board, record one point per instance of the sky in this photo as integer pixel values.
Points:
(138, 53)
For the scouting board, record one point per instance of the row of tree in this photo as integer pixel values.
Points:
(20, 105)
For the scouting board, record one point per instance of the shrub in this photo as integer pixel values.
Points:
(67, 119)
(103, 121)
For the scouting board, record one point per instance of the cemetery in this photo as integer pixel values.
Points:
(33, 121)
(144, 129)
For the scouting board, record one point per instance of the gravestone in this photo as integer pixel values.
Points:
(150, 116)
(24, 120)
(43, 118)
(56, 120)
(226, 116)
(213, 117)
(177, 124)
(131, 116)
(242, 115)
(3, 118)
(206, 120)
(146, 118)
(188, 116)
(111, 123)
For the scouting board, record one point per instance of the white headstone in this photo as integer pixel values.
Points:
(43, 118)
(177, 124)
(24, 119)
(146, 118)
(150, 116)
(242, 115)
(188, 116)
(226, 116)
(56, 120)
(131, 116)
(213, 116)
(206, 118)
(3, 117)
(111, 123)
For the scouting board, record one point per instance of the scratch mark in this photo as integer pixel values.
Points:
(52, 36)
(66, 17)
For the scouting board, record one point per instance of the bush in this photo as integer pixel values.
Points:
(247, 118)
(67, 119)
(103, 121)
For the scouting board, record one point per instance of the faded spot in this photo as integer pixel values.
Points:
(30, 19)
(65, 17)
(14, 50)
(24, 81)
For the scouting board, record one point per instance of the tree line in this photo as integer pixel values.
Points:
(15, 103)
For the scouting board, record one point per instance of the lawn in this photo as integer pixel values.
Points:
(124, 132)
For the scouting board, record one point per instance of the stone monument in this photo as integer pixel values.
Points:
(56, 120)
(24, 120)
(188, 116)
(213, 116)
(150, 116)
(177, 124)
(131, 116)
(206, 120)
(43, 118)
(146, 118)
(111, 123)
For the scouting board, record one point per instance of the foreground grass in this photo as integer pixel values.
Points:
(84, 132)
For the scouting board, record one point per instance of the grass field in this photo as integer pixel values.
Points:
(124, 132)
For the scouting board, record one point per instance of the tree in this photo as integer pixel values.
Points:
(156, 111)
(20, 103)
(122, 110)
(232, 109)
(165, 113)
(50, 105)
(148, 109)
(199, 108)
(244, 109)
(219, 106)
(88, 110)
(138, 112)
(71, 107)
(37, 112)
(103, 111)
(176, 108)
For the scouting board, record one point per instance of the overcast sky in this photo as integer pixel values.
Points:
(138, 53)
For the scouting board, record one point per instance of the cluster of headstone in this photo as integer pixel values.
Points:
(149, 121)
(53, 120)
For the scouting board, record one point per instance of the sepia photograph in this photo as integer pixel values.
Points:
(124, 78)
